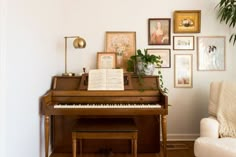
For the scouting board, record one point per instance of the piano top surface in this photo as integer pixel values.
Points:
(131, 82)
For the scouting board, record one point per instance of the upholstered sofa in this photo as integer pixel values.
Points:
(209, 144)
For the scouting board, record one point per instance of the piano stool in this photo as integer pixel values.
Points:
(105, 128)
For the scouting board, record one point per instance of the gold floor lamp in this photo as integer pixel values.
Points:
(77, 43)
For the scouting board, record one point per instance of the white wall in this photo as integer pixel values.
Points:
(33, 34)
(2, 78)
(34, 46)
(188, 105)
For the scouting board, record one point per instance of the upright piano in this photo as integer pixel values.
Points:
(68, 100)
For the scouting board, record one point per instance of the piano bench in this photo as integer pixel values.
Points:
(105, 128)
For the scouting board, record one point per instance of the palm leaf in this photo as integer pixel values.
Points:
(227, 14)
(233, 37)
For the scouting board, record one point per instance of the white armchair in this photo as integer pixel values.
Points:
(209, 144)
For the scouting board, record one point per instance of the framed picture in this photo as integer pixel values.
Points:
(159, 31)
(164, 54)
(124, 44)
(106, 60)
(187, 21)
(183, 42)
(211, 53)
(183, 71)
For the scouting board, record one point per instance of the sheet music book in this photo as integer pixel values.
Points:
(106, 79)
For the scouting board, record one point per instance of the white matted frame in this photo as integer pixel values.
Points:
(211, 53)
(164, 54)
(183, 71)
(183, 42)
(106, 60)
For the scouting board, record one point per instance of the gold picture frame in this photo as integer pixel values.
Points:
(187, 21)
(183, 71)
(124, 44)
(106, 60)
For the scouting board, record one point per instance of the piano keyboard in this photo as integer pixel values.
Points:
(107, 106)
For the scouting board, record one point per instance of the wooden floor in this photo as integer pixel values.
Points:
(174, 149)
(180, 149)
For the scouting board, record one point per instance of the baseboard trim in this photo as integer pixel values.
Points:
(181, 137)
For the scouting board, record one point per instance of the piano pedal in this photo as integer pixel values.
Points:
(106, 152)
(101, 150)
(110, 153)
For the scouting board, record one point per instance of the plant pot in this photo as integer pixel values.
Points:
(149, 69)
(145, 68)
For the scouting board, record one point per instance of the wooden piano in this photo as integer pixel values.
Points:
(68, 100)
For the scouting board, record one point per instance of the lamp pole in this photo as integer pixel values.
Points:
(78, 43)
(65, 56)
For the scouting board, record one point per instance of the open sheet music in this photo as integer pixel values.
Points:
(106, 79)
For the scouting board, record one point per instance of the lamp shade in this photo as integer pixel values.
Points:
(79, 43)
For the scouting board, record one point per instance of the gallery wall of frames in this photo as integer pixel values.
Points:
(120, 45)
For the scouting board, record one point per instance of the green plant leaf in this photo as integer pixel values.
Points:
(227, 14)
(233, 37)
(145, 58)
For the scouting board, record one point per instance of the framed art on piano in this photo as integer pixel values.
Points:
(106, 60)
(124, 44)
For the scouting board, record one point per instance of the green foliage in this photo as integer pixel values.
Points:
(146, 58)
(227, 14)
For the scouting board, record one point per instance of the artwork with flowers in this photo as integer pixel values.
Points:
(124, 44)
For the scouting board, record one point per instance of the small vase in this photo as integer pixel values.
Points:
(119, 61)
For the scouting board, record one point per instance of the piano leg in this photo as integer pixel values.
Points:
(46, 127)
(74, 143)
(164, 132)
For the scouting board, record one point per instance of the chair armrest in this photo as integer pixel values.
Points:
(209, 127)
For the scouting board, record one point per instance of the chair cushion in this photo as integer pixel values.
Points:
(215, 88)
(212, 147)
(209, 127)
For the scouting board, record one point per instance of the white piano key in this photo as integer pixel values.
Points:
(107, 106)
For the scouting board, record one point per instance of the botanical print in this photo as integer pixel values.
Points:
(183, 42)
(211, 53)
(183, 70)
(123, 43)
(120, 44)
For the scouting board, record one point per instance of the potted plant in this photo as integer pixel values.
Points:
(145, 64)
(227, 14)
